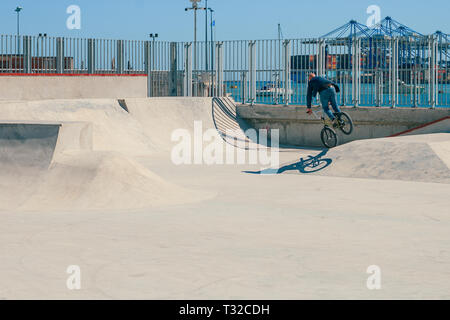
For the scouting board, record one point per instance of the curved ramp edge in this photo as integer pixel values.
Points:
(232, 128)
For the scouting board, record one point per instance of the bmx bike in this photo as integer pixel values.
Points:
(328, 135)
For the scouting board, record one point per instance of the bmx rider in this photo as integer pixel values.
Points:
(327, 90)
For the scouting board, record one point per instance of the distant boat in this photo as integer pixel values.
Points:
(405, 88)
(271, 90)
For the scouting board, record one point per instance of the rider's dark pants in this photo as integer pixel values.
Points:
(327, 96)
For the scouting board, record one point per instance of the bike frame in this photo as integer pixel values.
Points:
(319, 115)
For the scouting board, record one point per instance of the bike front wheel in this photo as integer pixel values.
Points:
(347, 123)
(329, 137)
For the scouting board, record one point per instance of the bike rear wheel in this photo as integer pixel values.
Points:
(347, 127)
(329, 137)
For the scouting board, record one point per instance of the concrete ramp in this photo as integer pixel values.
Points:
(53, 166)
(232, 128)
(161, 117)
(134, 127)
(27, 144)
(34, 144)
(424, 158)
(104, 180)
(27, 151)
(113, 128)
(81, 154)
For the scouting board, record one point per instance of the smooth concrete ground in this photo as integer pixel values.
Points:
(288, 236)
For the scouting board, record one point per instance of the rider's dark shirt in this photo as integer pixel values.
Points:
(316, 85)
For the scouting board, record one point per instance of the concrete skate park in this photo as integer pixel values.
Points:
(91, 182)
(122, 178)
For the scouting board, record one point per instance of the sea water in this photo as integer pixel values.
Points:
(368, 96)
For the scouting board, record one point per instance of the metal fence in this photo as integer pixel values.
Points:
(376, 71)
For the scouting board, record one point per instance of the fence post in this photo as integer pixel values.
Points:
(252, 71)
(119, 67)
(60, 55)
(356, 71)
(433, 74)
(287, 71)
(320, 58)
(244, 87)
(148, 67)
(394, 72)
(415, 77)
(173, 74)
(378, 88)
(91, 56)
(188, 70)
(219, 69)
(27, 63)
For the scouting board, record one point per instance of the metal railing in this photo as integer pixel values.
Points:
(377, 71)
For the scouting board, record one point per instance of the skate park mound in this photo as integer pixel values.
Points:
(114, 129)
(423, 158)
(159, 117)
(52, 166)
(102, 180)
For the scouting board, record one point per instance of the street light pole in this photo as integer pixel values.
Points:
(195, 8)
(195, 37)
(18, 9)
(212, 38)
(40, 56)
(153, 36)
(206, 36)
(212, 50)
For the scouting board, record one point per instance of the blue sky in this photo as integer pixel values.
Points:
(235, 19)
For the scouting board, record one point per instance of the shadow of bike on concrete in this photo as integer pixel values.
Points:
(311, 164)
